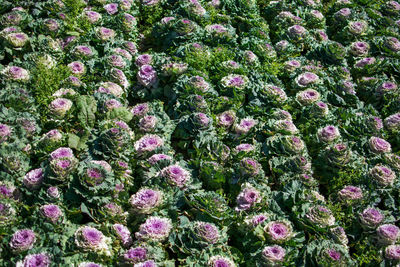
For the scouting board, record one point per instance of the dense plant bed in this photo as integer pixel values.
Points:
(199, 133)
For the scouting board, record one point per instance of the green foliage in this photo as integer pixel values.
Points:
(45, 81)
(343, 178)
(120, 113)
(272, 68)
(76, 142)
(74, 22)
(86, 109)
(366, 254)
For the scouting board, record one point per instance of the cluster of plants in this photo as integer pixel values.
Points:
(214, 133)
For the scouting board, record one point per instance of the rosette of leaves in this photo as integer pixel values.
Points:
(150, 200)
(209, 206)
(280, 114)
(114, 139)
(150, 144)
(281, 145)
(113, 60)
(9, 190)
(367, 86)
(25, 124)
(210, 147)
(306, 179)
(83, 52)
(246, 150)
(15, 17)
(141, 252)
(343, 94)
(319, 35)
(92, 242)
(261, 47)
(49, 141)
(247, 169)
(361, 125)
(283, 20)
(49, 26)
(117, 54)
(294, 194)
(315, 218)
(188, 105)
(219, 34)
(153, 164)
(279, 126)
(123, 172)
(278, 231)
(45, 255)
(111, 211)
(390, 9)
(94, 182)
(242, 129)
(248, 226)
(121, 234)
(177, 30)
(187, 85)
(17, 98)
(263, 95)
(234, 85)
(327, 253)
(355, 29)
(51, 218)
(177, 177)
(8, 213)
(248, 10)
(340, 15)
(14, 161)
(212, 175)
(294, 165)
(332, 52)
(193, 10)
(60, 110)
(308, 88)
(16, 43)
(338, 156)
(190, 126)
(367, 66)
(297, 35)
(273, 255)
(249, 60)
(110, 108)
(215, 256)
(129, 23)
(192, 237)
(338, 72)
(171, 70)
(228, 67)
(287, 49)
(250, 196)
(393, 160)
(314, 18)
(153, 120)
(60, 168)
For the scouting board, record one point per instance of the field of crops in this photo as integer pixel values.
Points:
(218, 133)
